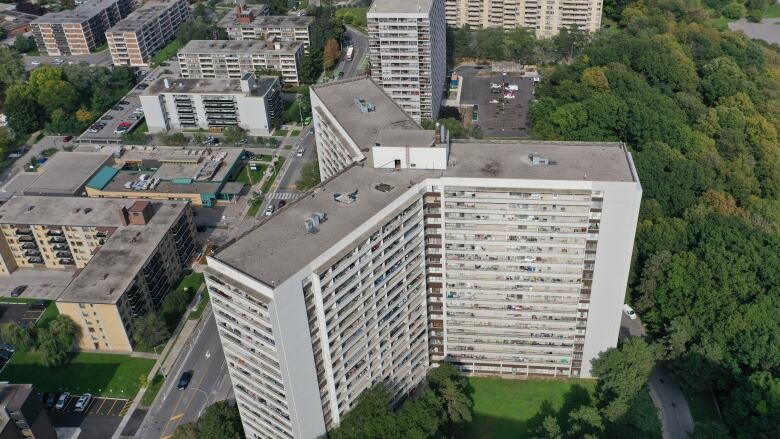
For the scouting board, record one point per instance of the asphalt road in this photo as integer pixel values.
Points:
(676, 418)
(360, 44)
(98, 59)
(18, 166)
(209, 381)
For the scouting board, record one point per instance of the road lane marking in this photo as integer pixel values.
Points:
(175, 417)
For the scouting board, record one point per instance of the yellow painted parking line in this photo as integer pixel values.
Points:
(175, 417)
(126, 407)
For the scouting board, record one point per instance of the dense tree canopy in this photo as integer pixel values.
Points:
(700, 109)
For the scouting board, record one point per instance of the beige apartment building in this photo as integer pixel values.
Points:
(545, 17)
(138, 37)
(81, 30)
(124, 254)
(224, 59)
(253, 23)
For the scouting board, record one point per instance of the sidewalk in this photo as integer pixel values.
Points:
(169, 356)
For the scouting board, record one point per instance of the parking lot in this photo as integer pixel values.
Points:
(118, 114)
(100, 420)
(499, 115)
(20, 313)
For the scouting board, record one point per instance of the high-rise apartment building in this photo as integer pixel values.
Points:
(504, 258)
(545, 17)
(407, 50)
(223, 59)
(81, 30)
(145, 31)
(125, 255)
(252, 22)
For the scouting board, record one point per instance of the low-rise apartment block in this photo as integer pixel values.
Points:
(223, 59)
(545, 18)
(125, 255)
(506, 258)
(16, 23)
(81, 30)
(202, 176)
(145, 31)
(251, 103)
(250, 23)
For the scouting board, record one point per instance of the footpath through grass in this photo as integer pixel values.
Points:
(99, 374)
(506, 409)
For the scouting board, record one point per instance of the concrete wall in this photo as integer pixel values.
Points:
(419, 158)
(106, 322)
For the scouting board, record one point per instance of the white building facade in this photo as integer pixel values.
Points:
(213, 104)
(407, 50)
(544, 17)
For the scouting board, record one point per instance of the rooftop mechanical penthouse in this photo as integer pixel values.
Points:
(504, 258)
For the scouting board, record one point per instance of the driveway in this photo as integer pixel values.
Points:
(768, 29)
(676, 418)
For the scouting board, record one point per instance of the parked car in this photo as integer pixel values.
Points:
(41, 304)
(44, 397)
(83, 402)
(282, 203)
(123, 102)
(142, 86)
(58, 62)
(117, 108)
(35, 63)
(67, 139)
(62, 401)
(629, 311)
(18, 291)
(51, 400)
(269, 210)
(107, 117)
(184, 381)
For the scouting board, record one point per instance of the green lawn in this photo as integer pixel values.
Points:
(270, 181)
(280, 133)
(100, 374)
(263, 158)
(250, 177)
(506, 409)
(165, 53)
(772, 11)
(353, 16)
(201, 306)
(295, 133)
(152, 390)
(254, 206)
(702, 407)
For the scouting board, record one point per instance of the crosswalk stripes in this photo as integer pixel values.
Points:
(283, 196)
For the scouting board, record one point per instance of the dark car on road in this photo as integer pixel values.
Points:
(184, 381)
(18, 291)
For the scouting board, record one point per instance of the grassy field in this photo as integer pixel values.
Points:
(773, 11)
(99, 374)
(353, 16)
(166, 52)
(703, 407)
(201, 306)
(513, 408)
(270, 181)
(280, 133)
(254, 207)
(152, 390)
(250, 177)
